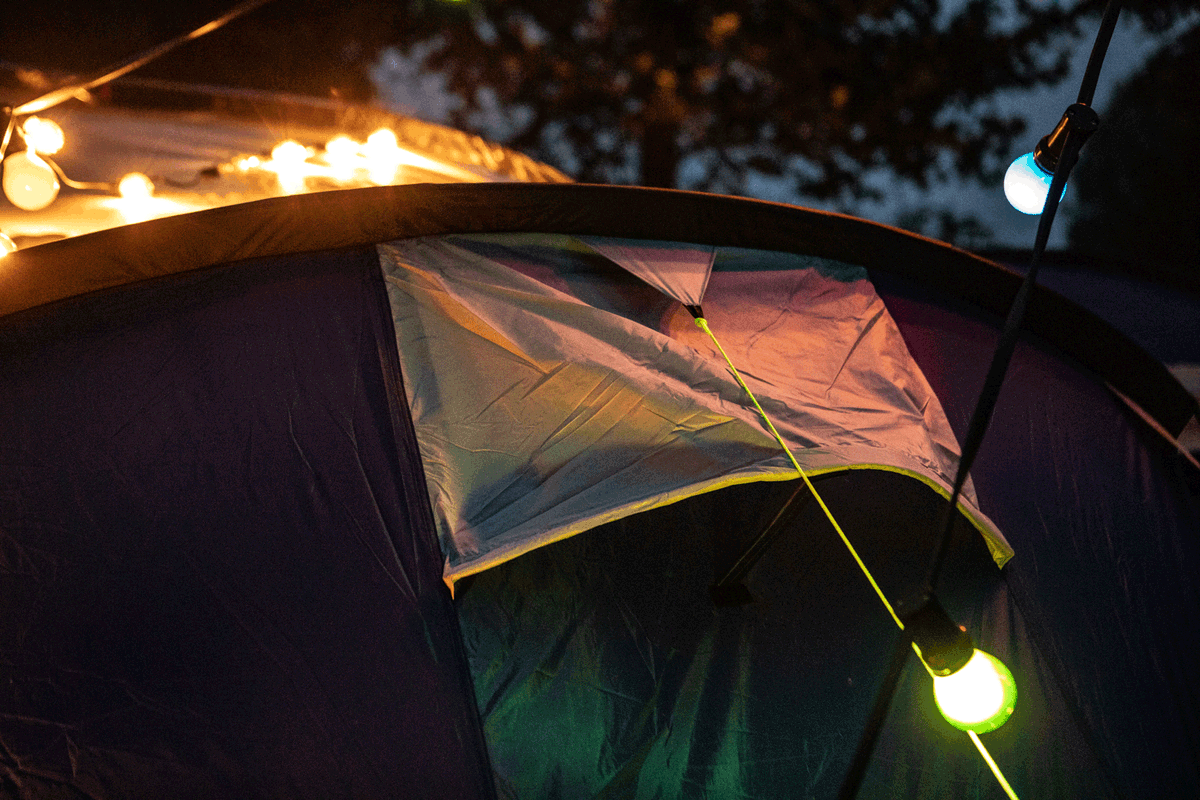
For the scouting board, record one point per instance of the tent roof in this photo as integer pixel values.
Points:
(347, 218)
(227, 452)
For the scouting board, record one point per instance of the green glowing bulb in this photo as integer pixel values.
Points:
(979, 697)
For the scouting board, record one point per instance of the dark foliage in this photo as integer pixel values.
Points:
(811, 91)
(1137, 181)
(618, 90)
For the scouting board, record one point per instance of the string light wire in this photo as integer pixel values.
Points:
(9, 127)
(702, 323)
(64, 93)
(987, 757)
(83, 185)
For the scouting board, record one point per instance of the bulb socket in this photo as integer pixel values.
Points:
(1079, 118)
(945, 647)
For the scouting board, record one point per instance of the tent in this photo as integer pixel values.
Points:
(247, 452)
(206, 146)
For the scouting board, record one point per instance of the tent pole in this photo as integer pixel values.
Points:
(870, 735)
(728, 589)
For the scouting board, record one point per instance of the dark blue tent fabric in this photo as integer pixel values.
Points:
(1101, 599)
(218, 572)
(219, 578)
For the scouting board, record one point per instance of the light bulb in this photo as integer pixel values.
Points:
(343, 156)
(290, 153)
(43, 136)
(980, 697)
(137, 202)
(384, 156)
(1026, 185)
(288, 161)
(7, 245)
(29, 182)
(135, 186)
(382, 141)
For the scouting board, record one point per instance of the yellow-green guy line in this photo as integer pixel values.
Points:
(1008, 790)
(703, 323)
(987, 757)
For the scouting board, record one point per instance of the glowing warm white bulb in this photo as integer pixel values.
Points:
(43, 136)
(343, 156)
(135, 186)
(382, 141)
(290, 152)
(29, 182)
(384, 156)
(288, 161)
(980, 697)
(7, 245)
(1026, 185)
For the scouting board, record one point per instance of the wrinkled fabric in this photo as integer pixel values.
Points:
(603, 669)
(218, 571)
(552, 391)
(676, 270)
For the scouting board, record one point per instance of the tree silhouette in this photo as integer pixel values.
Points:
(817, 92)
(814, 92)
(1138, 180)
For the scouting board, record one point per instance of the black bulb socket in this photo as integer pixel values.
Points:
(945, 647)
(1079, 118)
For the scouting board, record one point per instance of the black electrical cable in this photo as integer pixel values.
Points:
(982, 414)
(1001, 358)
(1091, 74)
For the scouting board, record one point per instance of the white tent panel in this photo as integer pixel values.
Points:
(679, 271)
(541, 415)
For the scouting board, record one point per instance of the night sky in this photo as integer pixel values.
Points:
(84, 37)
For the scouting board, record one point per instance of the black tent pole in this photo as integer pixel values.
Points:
(729, 589)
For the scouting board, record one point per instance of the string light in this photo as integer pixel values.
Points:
(29, 182)
(135, 186)
(288, 163)
(383, 155)
(1027, 181)
(980, 697)
(1026, 185)
(32, 180)
(344, 157)
(43, 136)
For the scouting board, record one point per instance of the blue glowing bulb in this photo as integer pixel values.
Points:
(1026, 185)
